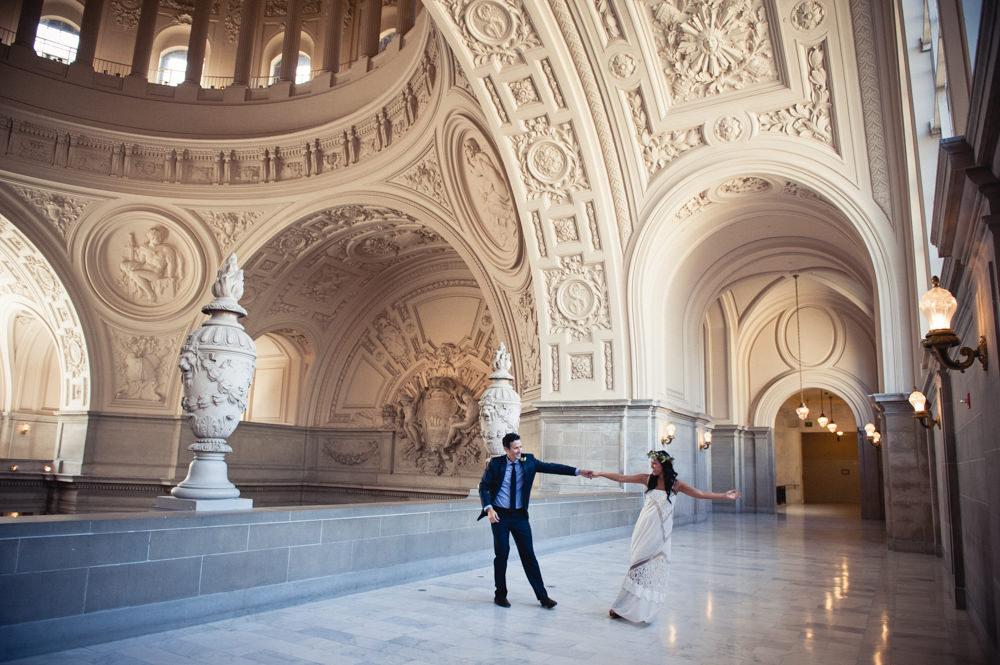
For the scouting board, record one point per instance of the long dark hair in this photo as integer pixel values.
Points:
(669, 475)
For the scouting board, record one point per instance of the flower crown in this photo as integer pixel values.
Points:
(661, 456)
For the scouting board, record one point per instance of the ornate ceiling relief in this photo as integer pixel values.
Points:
(710, 47)
(742, 186)
(609, 19)
(61, 210)
(544, 119)
(32, 278)
(497, 102)
(229, 226)
(143, 366)
(523, 306)
(578, 298)
(425, 178)
(524, 91)
(878, 162)
(495, 31)
(581, 367)
(550, 160)
(658, 150)
(811, 118)
(728, 128)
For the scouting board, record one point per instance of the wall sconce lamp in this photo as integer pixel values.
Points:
(706, 442)
(24, 429)
(12, 468)
(876, 439)
(938, 306)
(671, 433)
(919, 403)
(869, 430)
(47, 468)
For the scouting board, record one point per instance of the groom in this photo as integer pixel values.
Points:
(505, 491)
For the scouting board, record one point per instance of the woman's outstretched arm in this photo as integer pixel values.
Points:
(639, 478)
(684, 488)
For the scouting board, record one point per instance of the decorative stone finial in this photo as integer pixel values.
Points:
(227, 289)
(502, 364)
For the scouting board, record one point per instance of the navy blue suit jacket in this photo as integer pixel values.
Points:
(493, 476)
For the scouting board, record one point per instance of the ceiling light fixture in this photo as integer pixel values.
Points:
(803, 411)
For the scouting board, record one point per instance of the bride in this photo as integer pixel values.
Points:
(644, 588)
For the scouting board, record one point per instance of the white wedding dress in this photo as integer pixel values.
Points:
(645, 586)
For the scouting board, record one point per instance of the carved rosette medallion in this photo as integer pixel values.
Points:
(622, 66)
(143, 264)
(497, 31)
(709, 47)
(728, 128)
(808, 15)
(578, 302)
(550, 164)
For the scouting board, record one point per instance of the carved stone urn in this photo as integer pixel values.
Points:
(500, 405)
(217, 363)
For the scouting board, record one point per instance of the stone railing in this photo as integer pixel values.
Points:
(73, 581)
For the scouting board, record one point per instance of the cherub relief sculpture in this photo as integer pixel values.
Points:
(153, 268)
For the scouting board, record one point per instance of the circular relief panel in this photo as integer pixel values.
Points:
(489, 22)
(576, 299)
(548, 161)
(142, 264)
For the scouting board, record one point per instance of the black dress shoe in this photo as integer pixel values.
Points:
(547, 603)
(502, 602)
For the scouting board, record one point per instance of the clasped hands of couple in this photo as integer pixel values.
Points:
(590, 474)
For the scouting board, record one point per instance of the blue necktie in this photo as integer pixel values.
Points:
(513, 485)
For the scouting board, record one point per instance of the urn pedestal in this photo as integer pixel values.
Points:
(217, 363)
(500, 405)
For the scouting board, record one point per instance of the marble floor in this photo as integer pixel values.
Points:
(806, 586)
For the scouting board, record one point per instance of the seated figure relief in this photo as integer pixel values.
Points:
(153, 269)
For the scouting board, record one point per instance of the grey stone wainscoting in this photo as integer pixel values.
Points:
(69, 581)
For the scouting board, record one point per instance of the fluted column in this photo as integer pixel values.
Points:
(407, 15)
(290, 45)
(249, 20)
(371, 24)
(90, 28)
(334, 37)
(197, 41)
(27, 23)
(145, 32)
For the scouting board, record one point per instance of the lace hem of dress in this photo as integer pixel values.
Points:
(648, 580)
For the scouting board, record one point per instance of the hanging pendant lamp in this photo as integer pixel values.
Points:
(803, 410)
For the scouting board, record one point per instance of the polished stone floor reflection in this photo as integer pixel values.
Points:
(812, 585)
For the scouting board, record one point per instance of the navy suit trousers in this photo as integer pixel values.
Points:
(515, 522)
